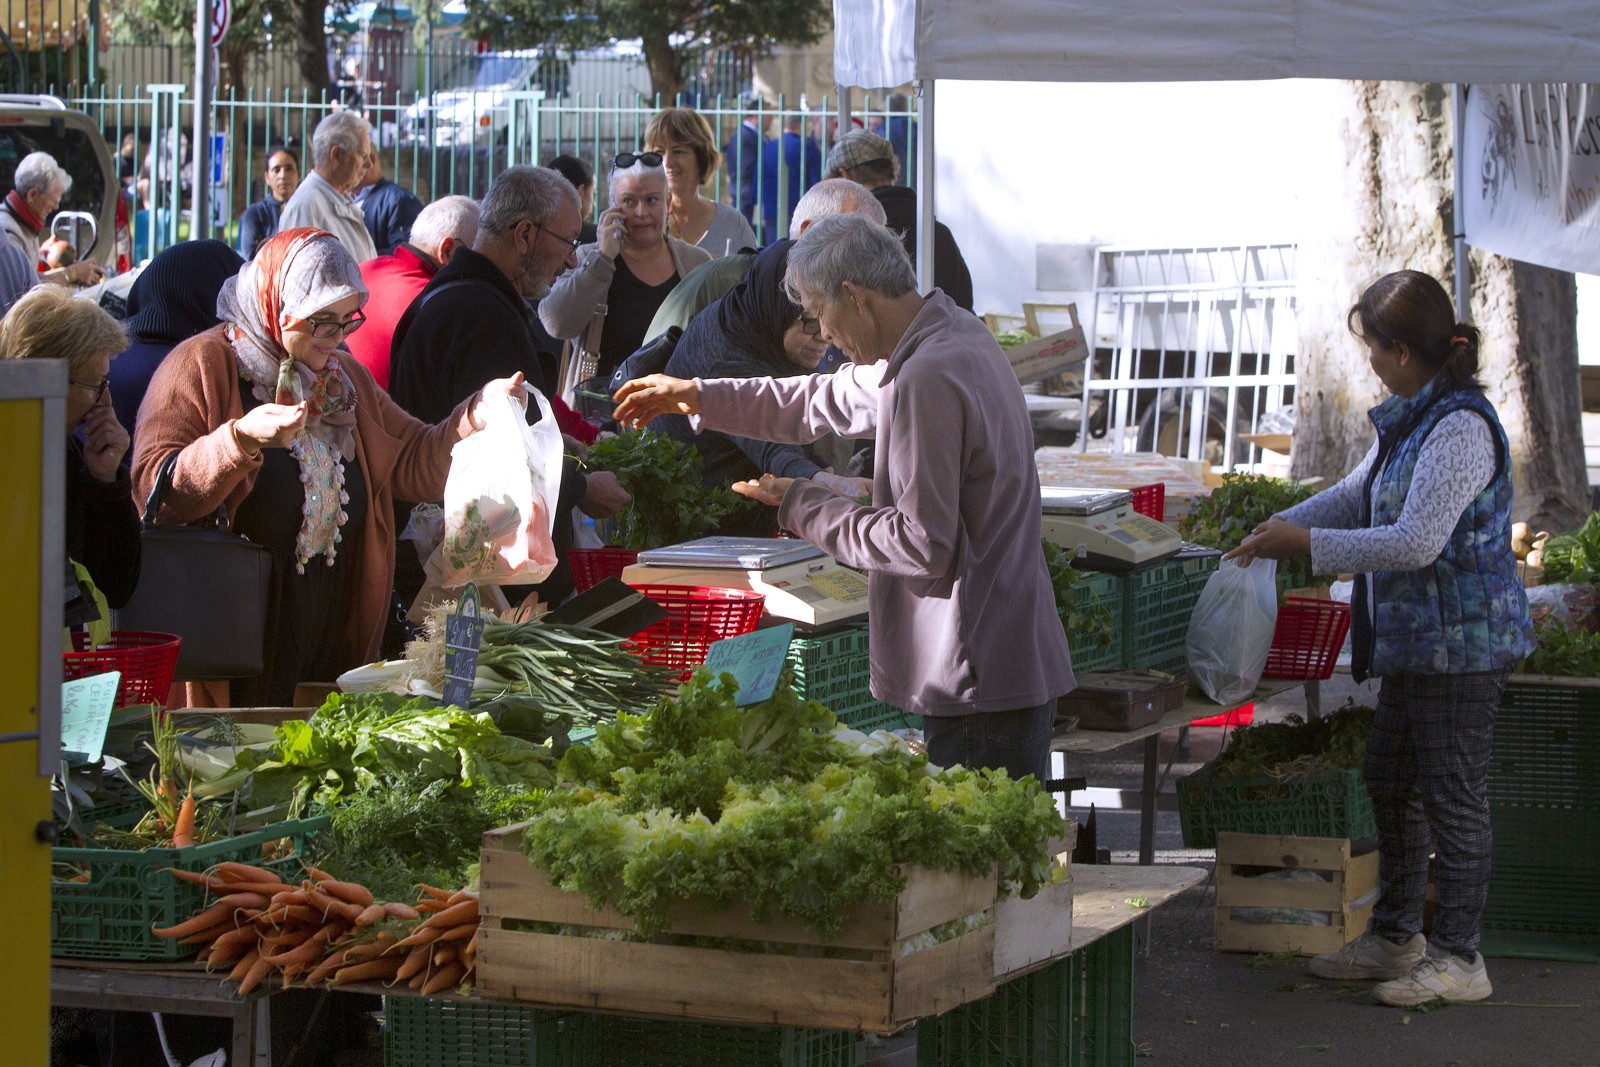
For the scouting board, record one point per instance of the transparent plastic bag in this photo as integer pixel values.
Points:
(1230, 631)
(500, 499)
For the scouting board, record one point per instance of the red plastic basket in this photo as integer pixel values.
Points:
(696, 616)
(1151, 500)
(591, 566)
(1243, 715)
(1307, 640)
(147, 661)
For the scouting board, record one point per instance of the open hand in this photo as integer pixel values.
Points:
(272, 425)
(105, 441)
(643, 399)
(767, 489)
(1273, 539)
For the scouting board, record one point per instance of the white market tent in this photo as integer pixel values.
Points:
(880, 43)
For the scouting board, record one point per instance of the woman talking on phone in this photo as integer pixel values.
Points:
(606, 304)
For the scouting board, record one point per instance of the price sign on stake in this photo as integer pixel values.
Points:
(463, 636)
(86, 712)
(754, 659)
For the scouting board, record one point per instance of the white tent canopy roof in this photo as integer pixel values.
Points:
(880, 43)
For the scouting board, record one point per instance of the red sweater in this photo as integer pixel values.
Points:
(394, 280)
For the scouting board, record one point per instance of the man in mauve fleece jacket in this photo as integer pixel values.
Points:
(964, 624)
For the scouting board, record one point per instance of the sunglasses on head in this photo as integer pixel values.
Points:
(624, 160)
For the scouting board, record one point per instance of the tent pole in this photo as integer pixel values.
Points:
(924, 139)
(1458, 220)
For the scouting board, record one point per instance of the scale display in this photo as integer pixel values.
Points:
(799, 581)
(1101, 527)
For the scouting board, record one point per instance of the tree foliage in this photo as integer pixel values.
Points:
(668, 29)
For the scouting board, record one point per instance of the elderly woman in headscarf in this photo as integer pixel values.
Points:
(174, 298)
(268, 416)
(753, 331)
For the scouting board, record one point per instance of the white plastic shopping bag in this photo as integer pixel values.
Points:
(1230, 631)
(500, 499)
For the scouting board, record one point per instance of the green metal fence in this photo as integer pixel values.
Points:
(449, 142)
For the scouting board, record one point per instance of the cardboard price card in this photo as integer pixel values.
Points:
(463, 637)
(86, 713)
(754, 659)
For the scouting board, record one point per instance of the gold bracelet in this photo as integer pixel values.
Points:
(233, 428)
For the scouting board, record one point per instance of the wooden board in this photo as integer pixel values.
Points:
(1100, 895)
(1029, 933)
(863, 980)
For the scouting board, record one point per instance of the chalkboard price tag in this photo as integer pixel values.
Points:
(463, 636)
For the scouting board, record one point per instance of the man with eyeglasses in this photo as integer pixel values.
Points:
(475, 322)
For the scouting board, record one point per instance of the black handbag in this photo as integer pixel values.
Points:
(205, 584)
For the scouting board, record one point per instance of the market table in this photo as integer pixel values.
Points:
(1195, 706)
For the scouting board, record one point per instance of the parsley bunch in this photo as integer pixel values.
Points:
(671, 502)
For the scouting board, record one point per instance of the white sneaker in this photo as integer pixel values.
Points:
(1438, 978)
(1370, 956)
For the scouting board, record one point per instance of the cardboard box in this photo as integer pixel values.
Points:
(1051, 355)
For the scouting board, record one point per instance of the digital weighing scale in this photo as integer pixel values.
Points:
(800, 582)
(1102, 528)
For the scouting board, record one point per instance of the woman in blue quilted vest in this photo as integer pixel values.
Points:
(1424, 523)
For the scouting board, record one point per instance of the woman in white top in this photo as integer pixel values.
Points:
(689, 152)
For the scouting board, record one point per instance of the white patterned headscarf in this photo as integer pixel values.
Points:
(296, 274)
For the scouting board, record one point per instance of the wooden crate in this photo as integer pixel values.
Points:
(864, 983)
(1352, 878)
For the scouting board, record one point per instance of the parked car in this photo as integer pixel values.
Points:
(93, 215)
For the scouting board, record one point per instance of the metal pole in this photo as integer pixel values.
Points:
(200, 179)
(843, 92)
(1458, 216)
(924, 262)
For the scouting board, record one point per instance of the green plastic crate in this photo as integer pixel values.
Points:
(1335, 804)
(109, 917)
(1074, 1013)
(1547, 745)
(1546, 872)
(1156, 604)
(1097, 588)
(432, 1032)
(835, 669)
(871, 715)
(613, 1040)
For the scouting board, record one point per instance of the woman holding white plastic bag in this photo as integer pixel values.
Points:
(304, 449)
(1424, 522)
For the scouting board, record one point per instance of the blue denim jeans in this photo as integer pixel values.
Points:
(1017, 742)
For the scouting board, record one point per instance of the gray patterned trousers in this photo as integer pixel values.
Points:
(1428, 772)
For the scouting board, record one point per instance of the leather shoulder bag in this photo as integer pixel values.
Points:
(204, 583)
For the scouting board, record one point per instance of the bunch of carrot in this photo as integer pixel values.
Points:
(322, 930)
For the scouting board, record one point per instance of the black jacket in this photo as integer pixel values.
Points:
(102, 527)
(467, 328)
(949, 268)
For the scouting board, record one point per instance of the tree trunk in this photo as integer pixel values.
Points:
(1384, 204)
(662, 61)
(311, 45)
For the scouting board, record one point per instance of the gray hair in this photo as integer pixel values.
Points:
(39, 170)
(342, 128)
(448, 216)
(848, 248)
(836, 196)
(523, 192)
(638, 170)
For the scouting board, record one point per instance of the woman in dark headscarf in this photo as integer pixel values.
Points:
(754, 331)
(174, 298)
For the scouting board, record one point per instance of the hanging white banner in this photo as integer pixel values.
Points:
(1531, 154)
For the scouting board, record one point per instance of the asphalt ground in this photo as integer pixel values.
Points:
(1196, 1005)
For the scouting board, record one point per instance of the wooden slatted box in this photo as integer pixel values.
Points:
(1240, 860)
(858, 981)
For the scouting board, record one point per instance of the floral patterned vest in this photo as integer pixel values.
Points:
(1466, 611)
